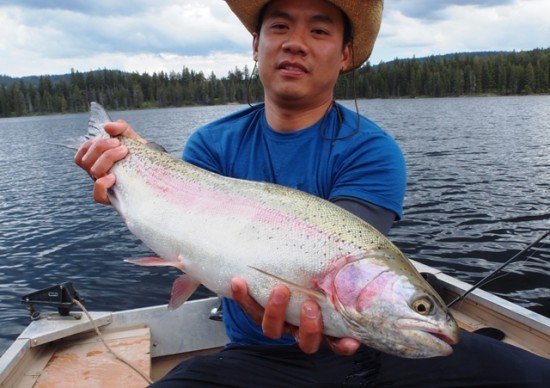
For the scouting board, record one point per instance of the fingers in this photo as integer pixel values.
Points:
(91, 155)
(103, 158)
(122, 128)
(239, 292)
(309, 335)
(273, 322)
(89, 152)
(310, 332)
(272, 318)
(101, 187)
(97, 156)
(343, 346)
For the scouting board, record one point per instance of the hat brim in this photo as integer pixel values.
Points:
(365, 17)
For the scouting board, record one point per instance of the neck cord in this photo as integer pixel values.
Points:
(340, 122)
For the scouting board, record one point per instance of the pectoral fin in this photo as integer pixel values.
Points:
(317, 295)
(182, 289)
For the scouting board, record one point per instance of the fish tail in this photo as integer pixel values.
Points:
(98, 118)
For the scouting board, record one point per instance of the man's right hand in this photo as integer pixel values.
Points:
(272, 320)
(97, 156)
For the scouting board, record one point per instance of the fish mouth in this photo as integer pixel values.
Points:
(428, 340)
(413, 343)
(444, 337)
(440, 341)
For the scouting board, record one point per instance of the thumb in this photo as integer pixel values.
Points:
(122, 128)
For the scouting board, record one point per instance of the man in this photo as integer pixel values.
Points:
(301, 138)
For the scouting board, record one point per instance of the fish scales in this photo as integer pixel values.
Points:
(215, 228)
(261, 202)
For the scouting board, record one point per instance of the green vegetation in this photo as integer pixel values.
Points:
(474, 74)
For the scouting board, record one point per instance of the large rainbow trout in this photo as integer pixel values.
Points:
(215, 228)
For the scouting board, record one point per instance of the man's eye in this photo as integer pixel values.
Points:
(278, 26)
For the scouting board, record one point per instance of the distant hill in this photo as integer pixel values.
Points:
(449, 75)
(478, 54)
(34, 79)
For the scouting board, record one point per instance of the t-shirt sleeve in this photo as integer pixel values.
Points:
(373, 170)
(200, 150)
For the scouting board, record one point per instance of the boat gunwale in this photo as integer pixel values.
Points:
(192, 314)
(490, 301)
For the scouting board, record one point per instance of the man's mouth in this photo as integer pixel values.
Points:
(292, 68)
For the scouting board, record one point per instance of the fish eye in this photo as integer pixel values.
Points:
(423, 305)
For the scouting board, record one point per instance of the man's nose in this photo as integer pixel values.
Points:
(295, 43)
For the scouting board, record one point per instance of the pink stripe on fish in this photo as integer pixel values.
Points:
(213, 200)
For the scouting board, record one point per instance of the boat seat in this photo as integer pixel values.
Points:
(87, 363)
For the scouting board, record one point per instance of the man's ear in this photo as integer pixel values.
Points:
(255, 38)
(347, 57)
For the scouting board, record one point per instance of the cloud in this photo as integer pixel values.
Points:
(434, 9)
(96, 7)
(186, 28)
(134, 37)
(463, 26)
(53, 36)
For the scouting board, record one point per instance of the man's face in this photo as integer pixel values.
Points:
(300, 50)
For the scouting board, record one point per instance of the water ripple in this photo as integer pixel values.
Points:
(478, 192)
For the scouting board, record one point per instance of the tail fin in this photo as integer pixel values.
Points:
(98, 118)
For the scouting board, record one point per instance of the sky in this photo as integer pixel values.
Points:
(48, 37)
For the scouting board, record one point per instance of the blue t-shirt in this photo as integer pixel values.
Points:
(330, 159)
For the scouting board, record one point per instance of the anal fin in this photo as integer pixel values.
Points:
(155, 262)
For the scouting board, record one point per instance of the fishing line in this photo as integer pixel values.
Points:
(128, 363)
(493, 274)
(340, 118)
(249, 82)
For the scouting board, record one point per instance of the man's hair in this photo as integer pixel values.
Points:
(347, 24)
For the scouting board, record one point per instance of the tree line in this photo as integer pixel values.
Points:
(468, 74)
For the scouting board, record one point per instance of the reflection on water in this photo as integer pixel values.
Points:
(478, 188)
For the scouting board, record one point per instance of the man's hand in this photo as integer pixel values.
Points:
(309, 334)
(97, 156)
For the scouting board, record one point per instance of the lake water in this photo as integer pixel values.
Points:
(478, 192)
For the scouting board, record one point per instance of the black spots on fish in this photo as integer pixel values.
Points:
(339, 237)
(304, 249)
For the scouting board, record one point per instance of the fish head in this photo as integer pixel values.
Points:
(393, 309)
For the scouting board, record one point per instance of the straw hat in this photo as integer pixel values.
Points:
(365, 17)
